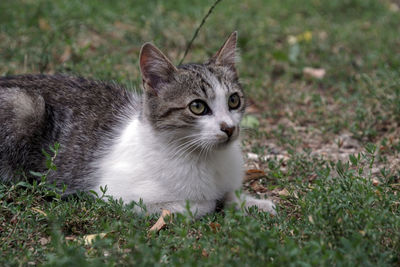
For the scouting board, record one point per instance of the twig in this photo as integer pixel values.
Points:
(198, 29)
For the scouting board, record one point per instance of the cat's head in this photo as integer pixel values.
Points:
(200, 105)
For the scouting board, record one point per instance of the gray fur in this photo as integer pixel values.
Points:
(37, 111)
(85, 116)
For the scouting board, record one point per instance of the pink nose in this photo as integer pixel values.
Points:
(227, 129)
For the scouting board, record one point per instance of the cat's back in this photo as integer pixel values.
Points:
(85, 100)
(68, 91)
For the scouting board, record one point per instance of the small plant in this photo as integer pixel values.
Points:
(49, 162)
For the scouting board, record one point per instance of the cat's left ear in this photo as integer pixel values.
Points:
(227, 54)
(156, 68)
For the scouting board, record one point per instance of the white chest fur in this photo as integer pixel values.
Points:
(139, 166)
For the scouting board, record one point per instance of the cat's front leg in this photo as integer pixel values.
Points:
(197, 208)
(266, 205)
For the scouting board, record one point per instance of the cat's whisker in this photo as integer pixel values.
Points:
(184, 137)
(189, 152)
(192, 147)
(180, 149)
(203, 148)
(206, 147)
(185, 153)
(174, 141)
(170, 145)
(181, 146)
(185, 146)
(248, 130)
(209, 148)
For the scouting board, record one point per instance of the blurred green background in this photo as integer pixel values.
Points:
(322, 78)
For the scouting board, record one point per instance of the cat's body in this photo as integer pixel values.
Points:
(82, 115)
(175, 144)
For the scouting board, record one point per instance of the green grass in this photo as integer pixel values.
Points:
(333, 143)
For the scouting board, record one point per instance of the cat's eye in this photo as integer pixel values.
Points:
(234, 101)
(198, 107)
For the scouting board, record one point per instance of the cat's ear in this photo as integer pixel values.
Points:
(227, 54)
(156, 68)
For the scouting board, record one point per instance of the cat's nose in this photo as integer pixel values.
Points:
(227, 129)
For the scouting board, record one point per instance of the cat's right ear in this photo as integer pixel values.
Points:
(155, 67)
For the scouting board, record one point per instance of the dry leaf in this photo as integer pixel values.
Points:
(284, 192)
(43, 241)
(310, 219)
(160, 224)
(39, 211)
(394, 7)
(256, 186)
(314, 73)
(43, 24)
(88, 239)
(253, 174)
(312, 177)
(66, 55)
(215, 226)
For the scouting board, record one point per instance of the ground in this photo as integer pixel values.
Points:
(321, 136)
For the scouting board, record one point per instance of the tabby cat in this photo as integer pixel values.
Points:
(177, 143)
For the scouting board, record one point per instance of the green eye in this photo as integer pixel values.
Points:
(198, 107)
(234, 101)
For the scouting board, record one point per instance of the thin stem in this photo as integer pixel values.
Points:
(198, 29)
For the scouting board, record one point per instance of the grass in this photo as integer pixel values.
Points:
(328, 148)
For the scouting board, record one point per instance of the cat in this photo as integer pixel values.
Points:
(178, 143)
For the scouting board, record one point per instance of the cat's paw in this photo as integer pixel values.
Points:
(262, 205)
